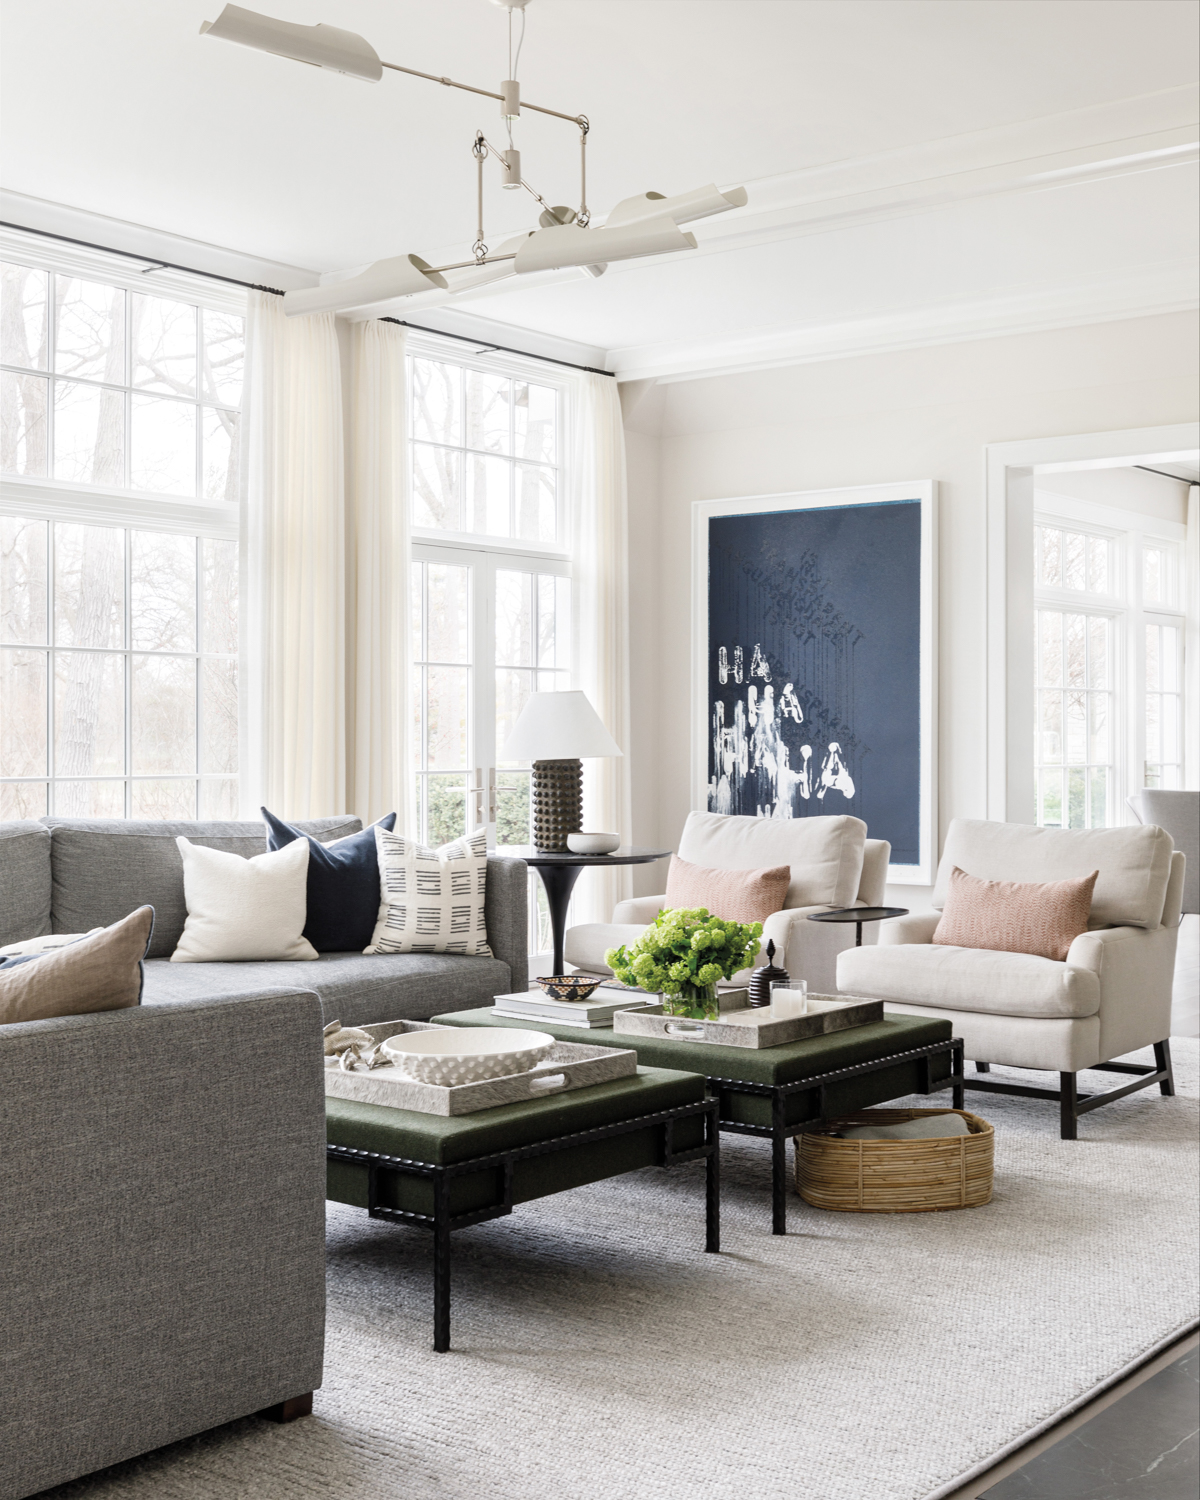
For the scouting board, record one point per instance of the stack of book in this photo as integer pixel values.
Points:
(597, 1010)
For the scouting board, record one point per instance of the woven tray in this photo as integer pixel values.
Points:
(896, 1177)
(756, 1027)
(569, 1065)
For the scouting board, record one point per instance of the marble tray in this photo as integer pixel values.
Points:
(759, 1027)
(571, 1065)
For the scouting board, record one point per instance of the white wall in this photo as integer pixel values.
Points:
(919, 414)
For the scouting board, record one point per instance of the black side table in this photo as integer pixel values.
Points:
(858, 915)
(559, 873)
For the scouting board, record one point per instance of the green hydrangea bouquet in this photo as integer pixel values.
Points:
(683, 954)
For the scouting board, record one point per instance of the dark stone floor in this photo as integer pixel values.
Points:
(1146, 1446)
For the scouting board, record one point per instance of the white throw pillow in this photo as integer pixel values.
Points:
(244, 909)
(431, 900)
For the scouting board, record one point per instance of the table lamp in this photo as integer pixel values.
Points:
(554, 730)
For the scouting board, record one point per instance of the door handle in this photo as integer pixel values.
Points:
(477, 792)
(492, 794)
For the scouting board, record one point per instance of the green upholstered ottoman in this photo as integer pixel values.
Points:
(779, 1091)
(445, 1173)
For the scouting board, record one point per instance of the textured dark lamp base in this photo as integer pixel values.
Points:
(557, 797)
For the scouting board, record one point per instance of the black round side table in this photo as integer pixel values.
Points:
(559, 873)
(858, 915)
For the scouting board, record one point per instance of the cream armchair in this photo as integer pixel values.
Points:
(1111, 996)
(833, 865)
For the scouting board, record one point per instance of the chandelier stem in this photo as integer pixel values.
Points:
(480, 150)
(463, 265)
(584, 216)
(469, 88)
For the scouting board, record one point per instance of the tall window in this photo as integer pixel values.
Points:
(118, 551)
(1108, 670)
(104, 386)
(491, 590)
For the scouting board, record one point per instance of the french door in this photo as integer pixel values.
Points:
(490, 625)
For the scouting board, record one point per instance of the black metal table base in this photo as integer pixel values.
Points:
(779, 1132)
(443, 1222)
(1071, 1103)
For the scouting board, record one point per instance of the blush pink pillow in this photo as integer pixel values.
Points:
(1012, 918)
(732, 895)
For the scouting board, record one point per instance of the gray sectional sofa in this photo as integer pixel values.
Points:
(162, 1169)
(59, 875)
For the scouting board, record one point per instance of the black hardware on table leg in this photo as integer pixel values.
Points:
(1068, 1102)
(983, 1067)
(559, 882)
(778, 1165)
(958, 1066)
(441, 1264)
(1162, 1061)
(712, 1183)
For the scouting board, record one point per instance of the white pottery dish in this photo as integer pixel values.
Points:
(593, 843)
(453, 1055)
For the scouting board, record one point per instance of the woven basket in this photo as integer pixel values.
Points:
(896, 1177)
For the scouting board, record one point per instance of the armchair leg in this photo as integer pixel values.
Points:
(983, 1067)
(1068, 1100)
(1162, 1061)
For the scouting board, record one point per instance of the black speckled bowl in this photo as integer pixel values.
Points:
(569, 986)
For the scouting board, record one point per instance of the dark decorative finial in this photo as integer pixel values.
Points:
(762, 979)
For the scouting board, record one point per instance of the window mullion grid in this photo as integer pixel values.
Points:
(128, 398)
(198, 672)
(127, 643)
(51, 364)
(51, 670)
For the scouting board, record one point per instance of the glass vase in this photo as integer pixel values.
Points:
(695, 1004)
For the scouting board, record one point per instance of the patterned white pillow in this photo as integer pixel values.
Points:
(431, 900)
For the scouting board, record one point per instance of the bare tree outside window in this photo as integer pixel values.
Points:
(118, 643)
(121, 389)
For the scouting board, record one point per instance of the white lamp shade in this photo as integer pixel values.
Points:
(322, 46)
(683, 208)
(559, 726)
(568, 245)
(399, 276)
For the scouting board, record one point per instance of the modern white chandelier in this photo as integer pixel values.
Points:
(648, 224)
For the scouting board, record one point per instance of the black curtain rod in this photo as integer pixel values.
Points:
(1162, 473)
(486, 347)
(153, 263)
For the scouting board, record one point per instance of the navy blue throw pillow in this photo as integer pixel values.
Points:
(343, 885)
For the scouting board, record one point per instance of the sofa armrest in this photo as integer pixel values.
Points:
(506, 913)
(807, 950)
(917, 927)
(872, 884)
(1136, 970)
(162, 1245)
(641, 909)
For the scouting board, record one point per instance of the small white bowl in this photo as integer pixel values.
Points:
(465, 1055)
(593, 843)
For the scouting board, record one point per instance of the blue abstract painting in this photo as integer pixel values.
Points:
(814, 672)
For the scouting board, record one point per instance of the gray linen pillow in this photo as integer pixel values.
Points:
(103, 972)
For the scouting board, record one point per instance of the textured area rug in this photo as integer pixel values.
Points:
(598, 1351)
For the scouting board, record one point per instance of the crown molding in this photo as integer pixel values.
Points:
(1168, 286)
(1126, 136)
(140, 240)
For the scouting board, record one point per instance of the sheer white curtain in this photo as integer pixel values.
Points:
(380, 570)
(293, 567)
(1191, 642)
(601, 617)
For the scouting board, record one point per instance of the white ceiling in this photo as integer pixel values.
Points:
(918, 169)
